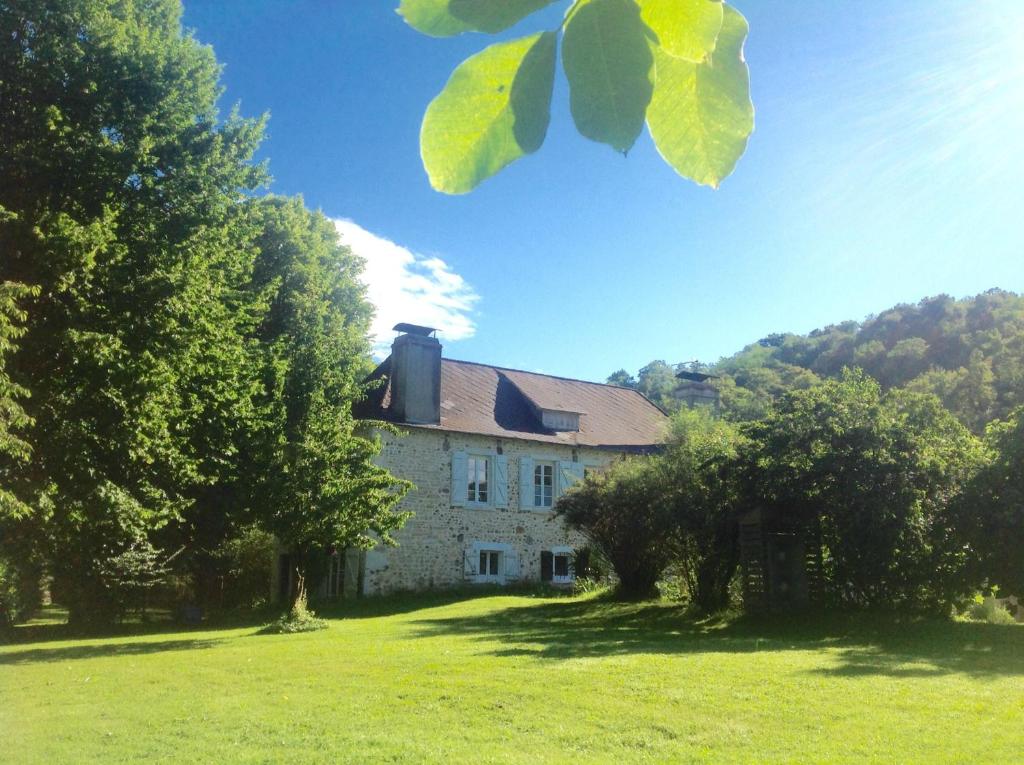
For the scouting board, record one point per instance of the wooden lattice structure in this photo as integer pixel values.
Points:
(781, 560)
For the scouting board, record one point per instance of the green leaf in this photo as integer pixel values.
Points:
(494, 109)
(701, 115)
(444, 18)
(610, 68)
(685, 28)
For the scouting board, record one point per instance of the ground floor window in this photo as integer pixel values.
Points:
(490, 563)
(556, 566)
(562, 573)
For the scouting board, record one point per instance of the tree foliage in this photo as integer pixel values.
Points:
(677, 508)
(192, 354)
(969, 353)
(619, 511)
(882, 473)
(309, 475)
(675, 65)
(14, 421)
(699, 486)
(993, 509)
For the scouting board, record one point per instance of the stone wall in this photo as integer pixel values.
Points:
(437, 542)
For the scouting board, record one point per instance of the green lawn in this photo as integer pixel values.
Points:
(519, 679)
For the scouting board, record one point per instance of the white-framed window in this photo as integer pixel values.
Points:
(478, 471)
(543, 484)
(561, 568)
(489, 565)
(556, 565)
(491, 562)
(543, 481)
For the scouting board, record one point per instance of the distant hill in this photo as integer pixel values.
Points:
(969, 352)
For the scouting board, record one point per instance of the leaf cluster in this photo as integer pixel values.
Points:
(675, 65)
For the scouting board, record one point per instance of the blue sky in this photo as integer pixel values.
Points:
(886, 166)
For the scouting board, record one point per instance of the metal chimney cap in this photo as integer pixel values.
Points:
(414, 329)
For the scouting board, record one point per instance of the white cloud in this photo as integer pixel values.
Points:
(406, 286)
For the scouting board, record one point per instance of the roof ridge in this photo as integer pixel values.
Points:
(540, 374)
(557, 377)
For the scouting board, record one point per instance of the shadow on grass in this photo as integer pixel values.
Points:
(51, 624)
(101, 650)
(48, 629)
(409, 602)
(862, 644)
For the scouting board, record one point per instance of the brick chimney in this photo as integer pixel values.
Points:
(416, 375)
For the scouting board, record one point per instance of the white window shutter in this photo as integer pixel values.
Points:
(568, 474)
(525, 483)
(501, 481)
(460, 479)
(511, 565)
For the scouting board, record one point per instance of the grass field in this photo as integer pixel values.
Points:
(519, 679)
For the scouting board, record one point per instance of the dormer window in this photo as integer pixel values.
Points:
(555, 419)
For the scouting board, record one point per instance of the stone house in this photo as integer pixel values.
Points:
(489, 450)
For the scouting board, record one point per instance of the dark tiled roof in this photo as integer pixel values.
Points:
(491, 401)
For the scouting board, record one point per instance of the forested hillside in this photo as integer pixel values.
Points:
(968, 352)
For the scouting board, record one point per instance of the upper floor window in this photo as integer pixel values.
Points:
(543, 484)
(477, 469)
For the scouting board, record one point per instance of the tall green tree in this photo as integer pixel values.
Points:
(124, 186)
(309, 464)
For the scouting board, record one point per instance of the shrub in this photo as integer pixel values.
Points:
(586, 585)
(993, 510)
(20, 593)
(984, 609)
(10, 603)
(618, 511)
(882, 473)
(132, 575)
(698, 484)
(300, 618)
(589, 563)
(245, 562)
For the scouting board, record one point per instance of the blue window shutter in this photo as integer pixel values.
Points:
(525, 483)
(511, 565)
(578, 471)
(460, 479)
(501, 481)
(568, 474)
